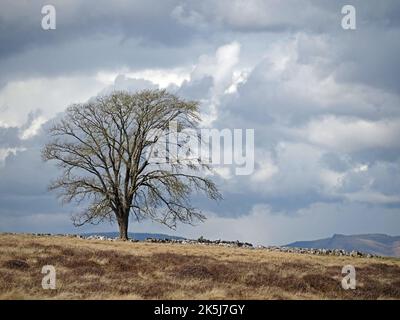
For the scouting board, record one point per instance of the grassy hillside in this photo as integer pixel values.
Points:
(91, 269)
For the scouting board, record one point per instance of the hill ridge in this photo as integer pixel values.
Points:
(373, 243)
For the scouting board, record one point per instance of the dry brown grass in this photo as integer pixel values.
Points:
(118, 270)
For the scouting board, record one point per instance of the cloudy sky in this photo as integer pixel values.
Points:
(324, 103)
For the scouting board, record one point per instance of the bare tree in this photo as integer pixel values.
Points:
(103, 148)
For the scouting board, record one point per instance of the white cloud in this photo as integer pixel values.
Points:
(162, 77)
(266, 168)
(352, 134)
(220, 66)
(33, 129)
(49, 95)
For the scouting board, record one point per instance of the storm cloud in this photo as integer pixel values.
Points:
(324, 103)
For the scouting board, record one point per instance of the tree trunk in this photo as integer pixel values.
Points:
(123, 227)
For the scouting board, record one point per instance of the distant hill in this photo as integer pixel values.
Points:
(133, 235)
(380, 244)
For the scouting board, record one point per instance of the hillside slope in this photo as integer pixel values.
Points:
(378, 244)
(94, 269)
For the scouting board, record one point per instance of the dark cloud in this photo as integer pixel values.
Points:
(90, 35)
(324, 103)
(149, 21)
(197, 89)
